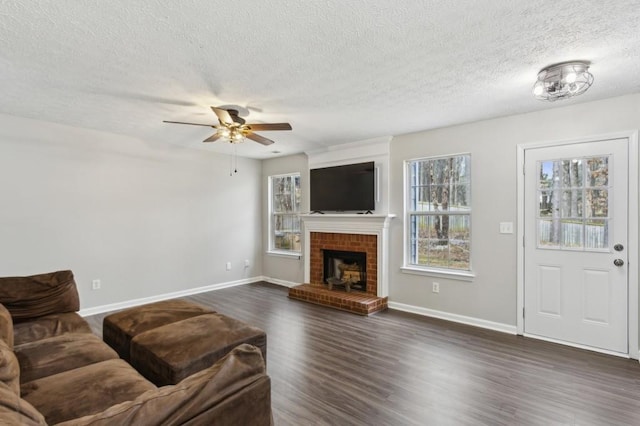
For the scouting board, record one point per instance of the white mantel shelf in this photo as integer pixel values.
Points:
(348, 223)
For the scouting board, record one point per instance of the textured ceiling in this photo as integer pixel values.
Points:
(338, 71)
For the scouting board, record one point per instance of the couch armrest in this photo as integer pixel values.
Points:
(234, 391)
(16, 411)
(37, 295)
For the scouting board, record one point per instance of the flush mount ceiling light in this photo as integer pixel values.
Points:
(562, 81)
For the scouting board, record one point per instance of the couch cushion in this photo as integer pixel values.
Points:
(234, 391)
(16, 411)
(168, 354)
(60, 353)
(38, 295)
(119, 328)
(6, 326)
(85, 390)
(9, 368)
(48, 326)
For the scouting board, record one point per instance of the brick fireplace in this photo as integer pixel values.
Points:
(321, 241)
(345, 233)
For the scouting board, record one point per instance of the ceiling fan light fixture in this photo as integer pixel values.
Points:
(236, 136)
(234, 129)
(232, 134)
(562, 81)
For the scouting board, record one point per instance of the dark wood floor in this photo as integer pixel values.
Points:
(335, 368)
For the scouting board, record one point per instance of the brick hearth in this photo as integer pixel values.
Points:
(356, 302)
(362, 303)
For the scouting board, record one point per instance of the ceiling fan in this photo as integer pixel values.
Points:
(234, 128)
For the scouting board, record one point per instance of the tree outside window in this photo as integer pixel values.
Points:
(284, 212)
(439, 213)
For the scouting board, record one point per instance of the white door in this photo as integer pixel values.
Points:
(575, 249)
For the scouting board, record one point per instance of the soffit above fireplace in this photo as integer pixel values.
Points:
(376, 148)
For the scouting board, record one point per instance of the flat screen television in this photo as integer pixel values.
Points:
(343, 188)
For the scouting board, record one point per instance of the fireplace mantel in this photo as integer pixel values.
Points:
(365, 224)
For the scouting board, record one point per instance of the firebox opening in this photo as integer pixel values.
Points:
(346, 269)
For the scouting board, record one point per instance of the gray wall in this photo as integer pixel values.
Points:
(286, 270)
(145, 218)
(491, 295)
(149, 219)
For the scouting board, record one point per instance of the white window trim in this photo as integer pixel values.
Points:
(270, 240)
(282, 253)
(438, 273)
(409, 268)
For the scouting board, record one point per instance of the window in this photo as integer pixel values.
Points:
(573, 197)
(438, 214)
(284, 209)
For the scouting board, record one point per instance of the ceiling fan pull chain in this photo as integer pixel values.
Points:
(235, 155)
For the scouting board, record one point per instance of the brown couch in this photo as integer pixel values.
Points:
(53, 370)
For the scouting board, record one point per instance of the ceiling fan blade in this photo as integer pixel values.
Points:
(259, 139)
(270, 126)
(223, 115)
(212, 138)
(193, 124)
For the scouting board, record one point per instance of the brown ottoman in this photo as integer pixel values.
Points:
(168, 354)
(118, 329)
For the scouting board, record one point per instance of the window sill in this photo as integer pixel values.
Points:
(439, 273)
(287, 254)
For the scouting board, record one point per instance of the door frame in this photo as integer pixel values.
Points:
(632, 229)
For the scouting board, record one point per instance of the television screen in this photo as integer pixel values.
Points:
(343, 188)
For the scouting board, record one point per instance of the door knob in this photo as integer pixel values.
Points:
(618, 247)
(618, 262)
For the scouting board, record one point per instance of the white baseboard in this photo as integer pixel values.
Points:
(173, 295)
(477, 322)
(505, 328)
(283, 283)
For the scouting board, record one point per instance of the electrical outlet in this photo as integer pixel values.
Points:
(95, 285)
(228, 266)
(436, 287)
(246, 263)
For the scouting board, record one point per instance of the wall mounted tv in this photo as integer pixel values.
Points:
(343, 188)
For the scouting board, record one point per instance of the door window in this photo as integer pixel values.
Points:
(573, 204)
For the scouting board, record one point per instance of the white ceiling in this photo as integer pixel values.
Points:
(338, 71)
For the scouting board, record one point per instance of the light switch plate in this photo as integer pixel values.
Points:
(506, 227)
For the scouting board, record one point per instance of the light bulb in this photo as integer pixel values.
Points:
(570, 78)
(538, 89)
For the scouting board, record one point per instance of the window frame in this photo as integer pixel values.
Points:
(271, 249)
(409, 266)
